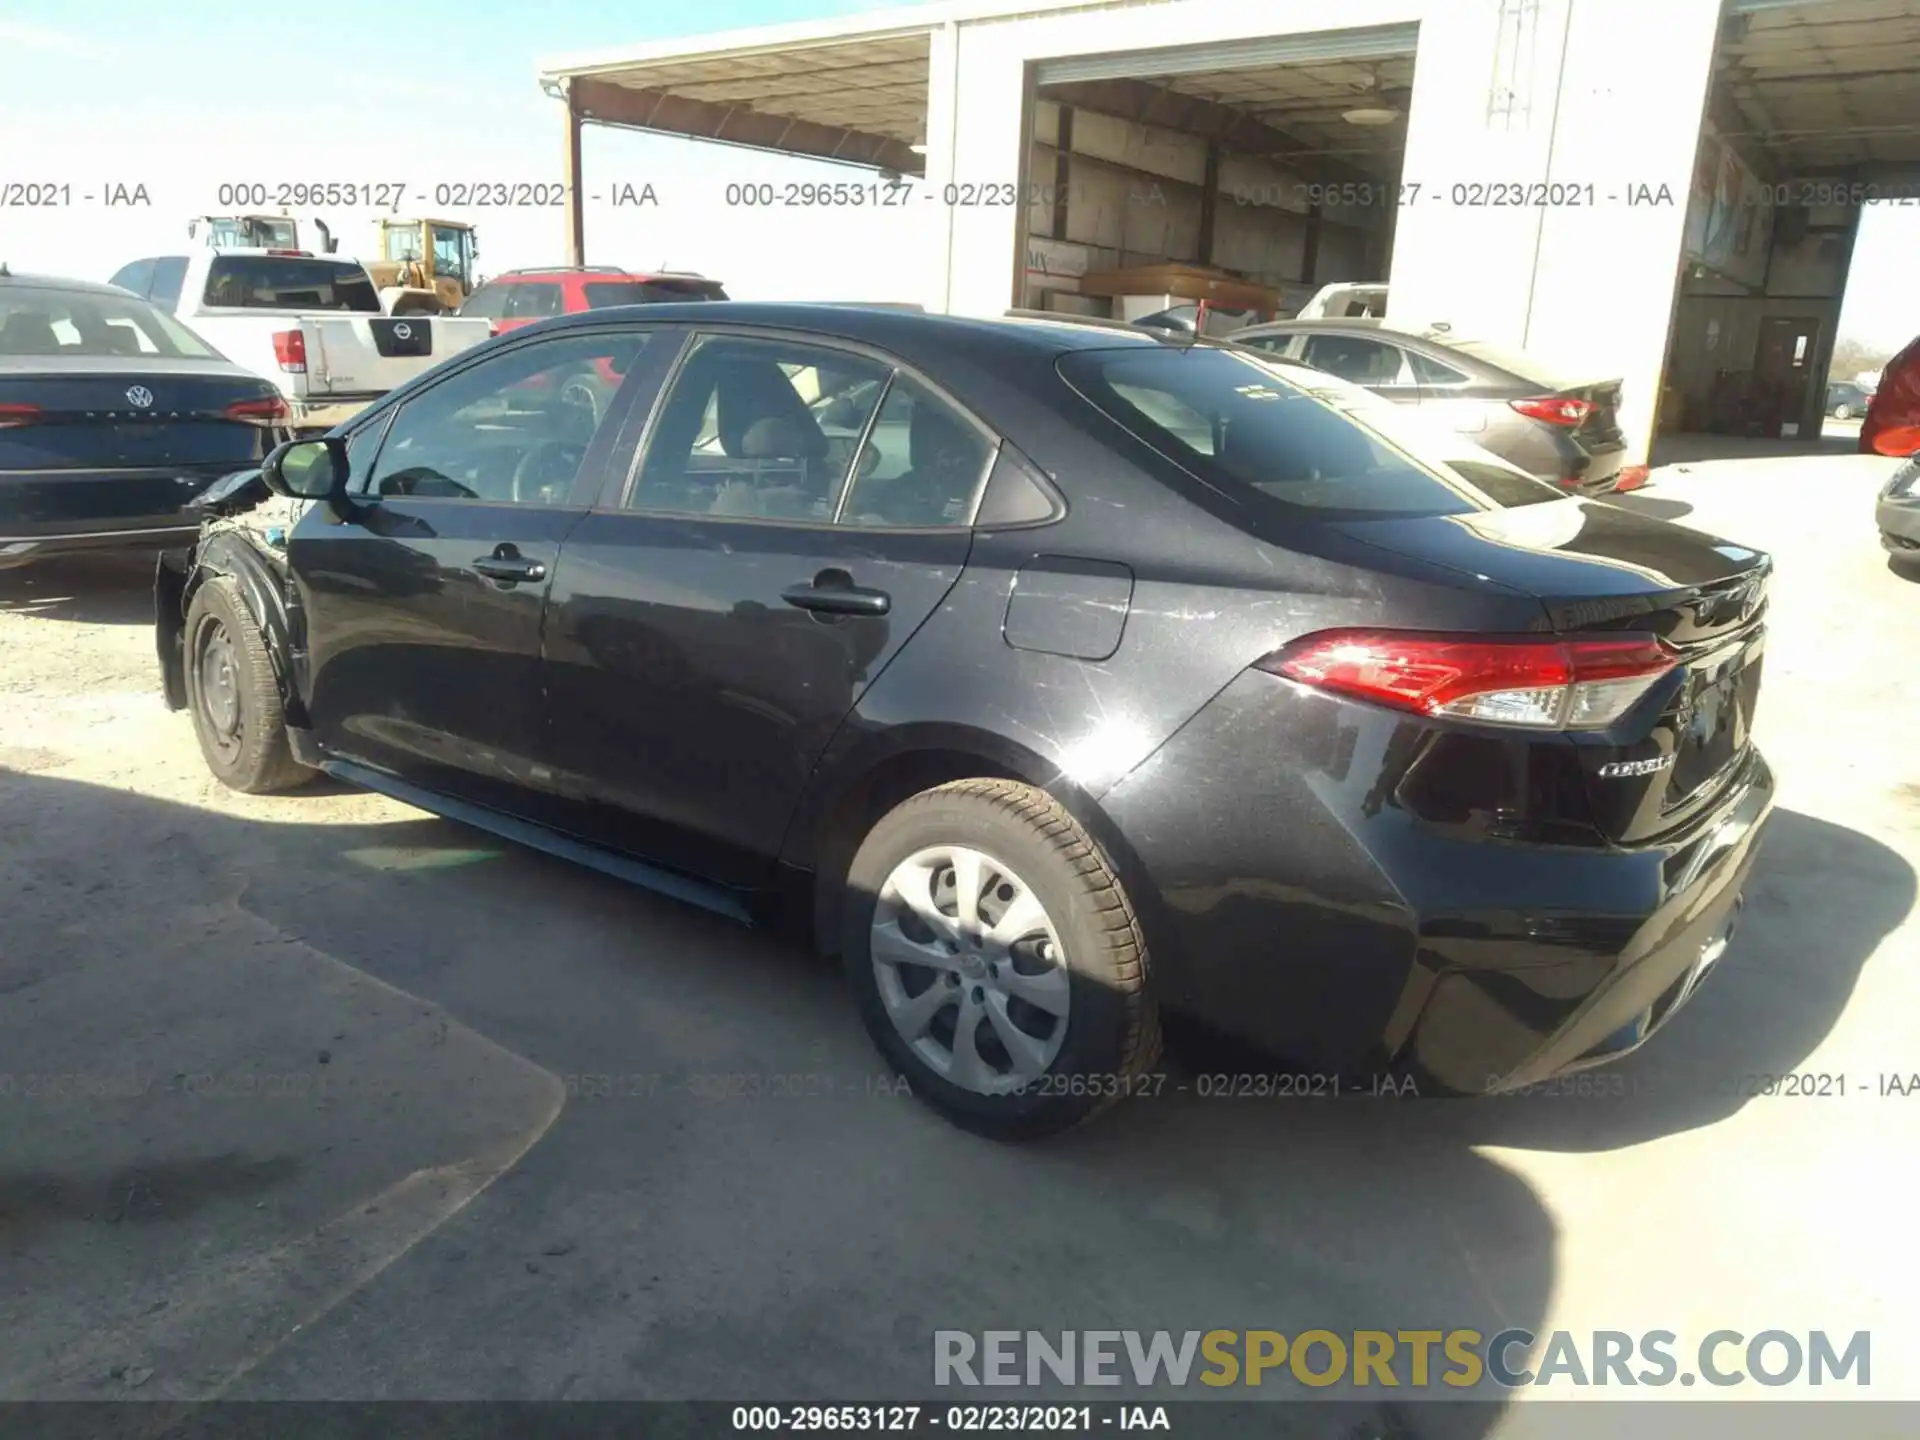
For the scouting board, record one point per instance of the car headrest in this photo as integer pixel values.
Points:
(773, 439)
(936, 438)
(28, 332)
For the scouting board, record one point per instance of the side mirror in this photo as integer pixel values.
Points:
(308, 469)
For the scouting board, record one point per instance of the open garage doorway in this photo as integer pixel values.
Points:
(1809, 158)
(1215, 186)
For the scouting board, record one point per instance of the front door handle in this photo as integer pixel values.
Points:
(509, 568)
(832, 592)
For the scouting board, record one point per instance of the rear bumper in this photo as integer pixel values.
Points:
(1293, 902)
(1899, 522)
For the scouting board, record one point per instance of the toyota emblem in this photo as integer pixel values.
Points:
(403, 331)
(140, 397)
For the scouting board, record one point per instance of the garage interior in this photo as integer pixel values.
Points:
(1809, 98)
(1273, 162)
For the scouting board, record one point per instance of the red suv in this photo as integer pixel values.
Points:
(520, 297)
(1892, 424)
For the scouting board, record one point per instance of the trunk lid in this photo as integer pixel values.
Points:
(351, 355)
(1599, 567)
(1600, 430)
(100, 446)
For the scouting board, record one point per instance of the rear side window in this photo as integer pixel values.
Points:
(921, 464)
(1429, 371)
(274, 282)
(532, 301)
(1256, 436)
(1355, 358)
(86, 323)
(602, 293)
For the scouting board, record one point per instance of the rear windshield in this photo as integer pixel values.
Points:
(1253, 432)
(81, 323)
(273, 282)
(602, 293)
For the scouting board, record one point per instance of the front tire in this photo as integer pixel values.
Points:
(997, 962)
(1843, 412)
(234, 697)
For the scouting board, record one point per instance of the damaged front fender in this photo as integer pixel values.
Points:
(243, 537)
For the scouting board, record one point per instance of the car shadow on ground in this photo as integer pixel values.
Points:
(734, 1169)
(768, 1207)
(106, 589)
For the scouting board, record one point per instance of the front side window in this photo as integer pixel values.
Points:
(89, 323)
(1253, 434)
(512, 429)
(489, 302)
(533, 301)
(762, 429)
(922, 464)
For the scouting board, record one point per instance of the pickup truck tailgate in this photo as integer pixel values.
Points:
(353, 354)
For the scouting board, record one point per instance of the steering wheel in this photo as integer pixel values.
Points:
(534, 478)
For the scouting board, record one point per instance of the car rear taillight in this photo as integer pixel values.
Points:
(494, 327)
(1554, 409)
(290, 349)
(267, 410)
(1583, 683)
(14, 415)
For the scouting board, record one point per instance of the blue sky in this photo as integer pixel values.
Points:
(186, 94)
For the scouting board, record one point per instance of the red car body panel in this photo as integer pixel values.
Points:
(1892, 423)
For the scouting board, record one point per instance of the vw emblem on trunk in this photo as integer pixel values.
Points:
(403, 331)
(140, 397)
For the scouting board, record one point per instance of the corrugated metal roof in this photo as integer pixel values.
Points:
(1825, 84)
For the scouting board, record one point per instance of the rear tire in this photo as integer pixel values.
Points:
(234, 697)
(1024, 1010)
(1843, 412)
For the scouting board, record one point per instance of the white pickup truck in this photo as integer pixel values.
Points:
(312, 324)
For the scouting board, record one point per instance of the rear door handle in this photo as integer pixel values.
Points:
(837, 599)
(510, 569)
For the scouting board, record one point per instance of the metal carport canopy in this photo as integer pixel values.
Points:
(850, 89)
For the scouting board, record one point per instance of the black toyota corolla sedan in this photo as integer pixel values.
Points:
(113, 415)
(1065, 676)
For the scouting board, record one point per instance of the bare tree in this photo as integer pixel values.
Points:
(1853, 357)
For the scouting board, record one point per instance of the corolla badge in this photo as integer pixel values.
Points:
(140, 397)
(1620, 768)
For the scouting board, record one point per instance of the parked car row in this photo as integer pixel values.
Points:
(1058, 677)
(119, 403)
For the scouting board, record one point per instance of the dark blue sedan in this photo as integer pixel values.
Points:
(113, 416)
